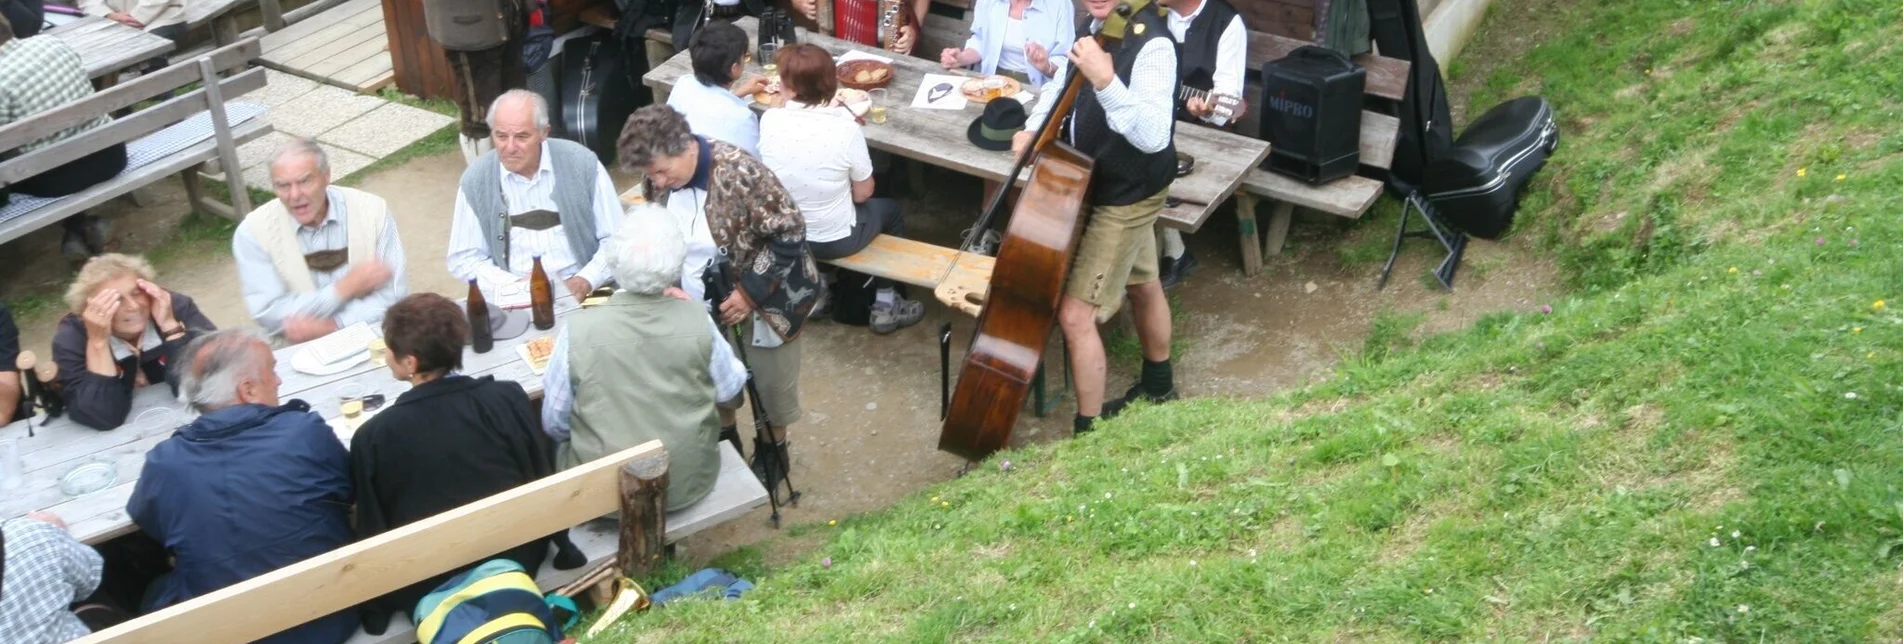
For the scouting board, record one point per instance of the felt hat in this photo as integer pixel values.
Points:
(992, 130)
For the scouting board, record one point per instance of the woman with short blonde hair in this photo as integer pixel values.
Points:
(121, 333)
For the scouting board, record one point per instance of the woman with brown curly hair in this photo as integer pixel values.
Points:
(449, 440)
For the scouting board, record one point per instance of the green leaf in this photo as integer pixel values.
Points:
(1390, 460)
(1843, 478)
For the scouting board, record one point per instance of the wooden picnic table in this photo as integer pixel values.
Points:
(107, 47)
(937, 137)
(61, 444)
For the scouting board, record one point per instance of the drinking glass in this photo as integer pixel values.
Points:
(768, 58)
(379, 352)
(994, 88)
(155, 419)
(350, 399)
(876, 113)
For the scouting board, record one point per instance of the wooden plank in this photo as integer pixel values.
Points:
(330, 52)
(221, 131)
(138, 124)
(937, 137)
(1378, 133)
(311, 10)
(86, 109)
(909, 261)
(340, 27)
(375, 51)
(344, 577)
(735, 493)
(199, 12)
(107, 47)
(1345, 197)
(1387, 77)
(292, 34)
(369, 75)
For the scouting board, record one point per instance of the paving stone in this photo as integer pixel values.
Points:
(321, 109)
(258, 152)
(279, 88)
(342, 163)
(386, 129)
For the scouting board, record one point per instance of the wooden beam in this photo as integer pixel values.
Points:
(93, 106)
(341, 578)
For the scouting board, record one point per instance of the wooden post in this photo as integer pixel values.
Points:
(1278, 227)
(224, 30)
(227, 148)
(273, 14)
(823, 14)
(1245, 229)
(643, 515)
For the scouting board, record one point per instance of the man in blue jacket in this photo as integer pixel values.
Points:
(249, 487)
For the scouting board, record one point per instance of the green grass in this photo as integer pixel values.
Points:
(1704, 442)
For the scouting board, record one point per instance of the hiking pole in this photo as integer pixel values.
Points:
(769, 455)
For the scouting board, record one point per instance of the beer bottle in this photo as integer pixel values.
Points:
(541, 301)
(481, 338)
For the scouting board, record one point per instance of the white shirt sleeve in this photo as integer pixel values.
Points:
(370, 308)
(1048, 93)
(558, 395)
(1144, 111)
(1232, 61)
(469, 252)
(607, 220)
(729, 374)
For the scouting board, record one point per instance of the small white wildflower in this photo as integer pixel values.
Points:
(1734, 534)
(1744, 608)
(1714, 542)
(1750, 548)
(1192, 562)
(1106, 495)
(1252, 553)
(1093, 623)
(1011, 607)
(1744, 565)
(1133, 605)
(1850, 395)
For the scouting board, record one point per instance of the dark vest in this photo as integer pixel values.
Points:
(1196, 54)
(1123, 175)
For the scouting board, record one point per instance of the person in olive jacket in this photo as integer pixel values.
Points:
(123, 332)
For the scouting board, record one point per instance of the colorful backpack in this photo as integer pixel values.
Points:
(494, 603)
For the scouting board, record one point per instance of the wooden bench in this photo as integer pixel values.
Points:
(220, 15)
(1346, 197)
(353, 574)
(208, 94)
(960, 280)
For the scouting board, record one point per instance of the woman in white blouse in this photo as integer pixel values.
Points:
(819, 153)
(1016, 37)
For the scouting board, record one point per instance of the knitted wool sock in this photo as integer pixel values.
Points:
(1158, 379)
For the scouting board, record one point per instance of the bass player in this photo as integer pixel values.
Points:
(1124, 121)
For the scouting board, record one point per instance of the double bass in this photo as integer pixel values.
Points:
(1027, 283)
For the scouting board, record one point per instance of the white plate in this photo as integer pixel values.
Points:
(304, 361)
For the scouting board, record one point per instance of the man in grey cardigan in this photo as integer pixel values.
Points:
(532, 197)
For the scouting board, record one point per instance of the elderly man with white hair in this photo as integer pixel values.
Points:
(250, 486)
(532, 197)
(649, 364)
(318, 257)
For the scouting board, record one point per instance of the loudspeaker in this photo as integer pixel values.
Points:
(1311, 114)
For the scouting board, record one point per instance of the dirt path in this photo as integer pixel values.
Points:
(870, 433)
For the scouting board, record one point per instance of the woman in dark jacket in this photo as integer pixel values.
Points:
(122, 334)
(448, 441)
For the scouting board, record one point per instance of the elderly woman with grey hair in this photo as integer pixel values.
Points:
(251, 485)
(122, 333)
(726, 204)
(648, 364)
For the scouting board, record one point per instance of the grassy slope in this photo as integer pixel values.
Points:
(1674, 452)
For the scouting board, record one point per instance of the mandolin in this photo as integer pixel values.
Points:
(1027, 281)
